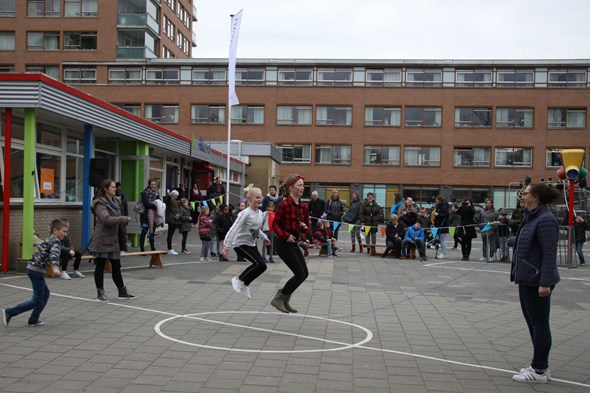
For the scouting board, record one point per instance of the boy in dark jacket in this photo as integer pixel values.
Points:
(48, 252)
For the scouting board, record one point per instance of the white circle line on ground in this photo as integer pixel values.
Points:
(369, 334)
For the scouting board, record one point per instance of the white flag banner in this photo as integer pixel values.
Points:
(233, 48)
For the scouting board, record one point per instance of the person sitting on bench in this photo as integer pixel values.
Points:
(414, 237)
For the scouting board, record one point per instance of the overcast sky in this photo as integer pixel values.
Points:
(396, 29)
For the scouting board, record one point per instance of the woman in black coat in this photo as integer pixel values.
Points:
(467, 229)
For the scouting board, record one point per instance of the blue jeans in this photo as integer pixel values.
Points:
(443, 243)
(39, 300)
(579, 246)
(536, 314)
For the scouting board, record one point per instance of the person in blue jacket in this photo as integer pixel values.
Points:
(534, 269)
(414, 236)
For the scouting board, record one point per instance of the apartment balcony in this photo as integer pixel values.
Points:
(194, 39)
(140, 52)
(140, 21)
(194, 13)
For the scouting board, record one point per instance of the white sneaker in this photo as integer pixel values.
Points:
(483, 259)
(172, 252)
(441, 256)
(246, 291)
(65, 276)
(529, 369)
(77, 274)
(530, 376)
(202, 259)
(237, 284)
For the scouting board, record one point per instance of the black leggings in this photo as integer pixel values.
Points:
(258, 266)
(65, 258)
(116, 272)
(291, 254)
(171, 229)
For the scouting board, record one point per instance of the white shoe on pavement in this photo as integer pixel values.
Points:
(77, 274)
(237, 284)
(172, 252)
(65, 276)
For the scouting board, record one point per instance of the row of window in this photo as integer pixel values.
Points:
(52, 8)
(463, 157)
(375, 116)
(359, 76)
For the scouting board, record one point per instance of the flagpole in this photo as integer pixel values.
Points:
(232, 98)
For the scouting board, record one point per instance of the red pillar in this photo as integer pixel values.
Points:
(6, 184)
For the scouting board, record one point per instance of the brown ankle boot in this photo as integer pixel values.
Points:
(279, 302)
(287, 305)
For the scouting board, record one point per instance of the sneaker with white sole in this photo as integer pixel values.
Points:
(530, 376)
(237, 284)
(172, 252)
(186, 252)
(65, 276)
(77, 274)
(529, 369)
(5, 317)
(38, 323)
(246, 291)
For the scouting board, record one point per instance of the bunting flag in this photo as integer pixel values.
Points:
(452, 231)
(382, 231)
(486, 227)
(335, 225)
(213, 202)
(221, 199)
(434, 231)
(236, 20)
(350, 227)
(193, 204)
(367, 230)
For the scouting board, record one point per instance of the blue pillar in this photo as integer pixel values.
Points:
(86, 189)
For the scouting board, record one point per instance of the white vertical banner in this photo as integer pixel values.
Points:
(233, 49)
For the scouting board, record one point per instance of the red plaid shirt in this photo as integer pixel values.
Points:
(288, 217)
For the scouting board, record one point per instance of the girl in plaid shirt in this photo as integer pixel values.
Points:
(291, 221)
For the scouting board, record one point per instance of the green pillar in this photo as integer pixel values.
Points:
(29, 173)
(132, 173)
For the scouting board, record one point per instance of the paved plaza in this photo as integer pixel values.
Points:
(365, 324)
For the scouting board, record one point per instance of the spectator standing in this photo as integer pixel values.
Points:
(503, 233)
(109, 232)
(455, 221)
(467, 229)
(148, 218)
(121, 194)
(47, 253)
(182, 191)
(223, 223)
(334, 210)
(516, 217)
(268, 218)
(214, 243)
(407, 213)
(172, 218)
(489, 237)
(317, 206)
(353, 216)
(441, 221)
(580, 228)
(371, 216)
(216, 188)
(272, 196)
(534, 270)
(204, 228)
(185, 223)
(398, 202)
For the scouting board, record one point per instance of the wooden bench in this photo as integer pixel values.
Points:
(373, 253)
(155, 256)
(49, 272)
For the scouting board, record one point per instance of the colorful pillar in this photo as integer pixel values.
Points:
(29, 173)
(86, 189)
(6, 196)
